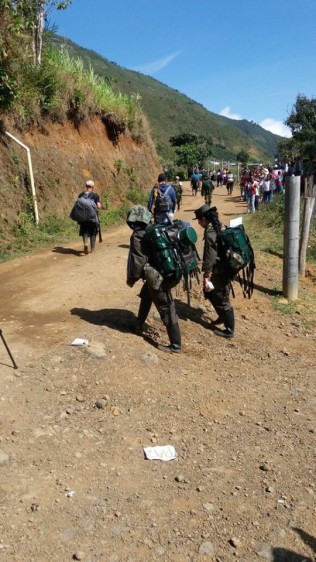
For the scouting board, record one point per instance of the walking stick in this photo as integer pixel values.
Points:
(8, 350)
(99, 230)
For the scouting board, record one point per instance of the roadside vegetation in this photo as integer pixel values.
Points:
(265, 229)
(60, 88)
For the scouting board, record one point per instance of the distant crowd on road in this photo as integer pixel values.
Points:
(257, 184)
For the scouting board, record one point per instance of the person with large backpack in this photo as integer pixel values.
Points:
(155, 289)
(162, 201)
(227, 254)
(85, 212)
(216, 281)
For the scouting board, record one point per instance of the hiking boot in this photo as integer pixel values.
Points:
(216, 322)
(227, 333)
(138, 328)
(172, 348)
(92, 243)
(229, 322)
(174, 335)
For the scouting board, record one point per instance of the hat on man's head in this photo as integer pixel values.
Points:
(162, 177)
(201, 211)
(89, 183)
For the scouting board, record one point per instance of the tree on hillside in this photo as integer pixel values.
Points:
(33, 13)
(242, 157)
(302, 122)
(183, 138)
(14, 46)
(302, 147)
(190, 148)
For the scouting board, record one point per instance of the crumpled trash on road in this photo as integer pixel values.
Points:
(160, 453)
(80, 341)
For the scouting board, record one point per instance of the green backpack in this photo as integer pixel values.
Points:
(237, 256)
(173, 252)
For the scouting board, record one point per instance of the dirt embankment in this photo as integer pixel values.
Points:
(74, 421)
(63, 158)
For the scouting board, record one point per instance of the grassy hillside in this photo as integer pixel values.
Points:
(171, 113)
(260, 136)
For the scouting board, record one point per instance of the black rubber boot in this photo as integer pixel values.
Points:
(229, 322)
(173, 332)
(220, 313)
(143, 312)
(85, 245)
(139, 328)
(216, 322)
(92, 243)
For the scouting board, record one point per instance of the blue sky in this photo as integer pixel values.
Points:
(246, 59)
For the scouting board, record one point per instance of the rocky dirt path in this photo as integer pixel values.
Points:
(74, 421)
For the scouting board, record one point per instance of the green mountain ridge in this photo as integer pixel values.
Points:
(171, 112)
(261, 136)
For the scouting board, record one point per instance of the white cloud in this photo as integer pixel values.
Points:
(276, 127)
(226, 113)
(272, 125)
(155, 66)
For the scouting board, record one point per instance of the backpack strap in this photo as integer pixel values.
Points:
(246, 281)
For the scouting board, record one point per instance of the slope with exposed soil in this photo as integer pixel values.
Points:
(74, 421)
(63, 157)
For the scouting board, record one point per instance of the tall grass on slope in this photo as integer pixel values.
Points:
(85, 93)
(61, 88)
(266, 228)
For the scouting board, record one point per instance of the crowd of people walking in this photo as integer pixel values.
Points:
(260, 184)
(257, 184)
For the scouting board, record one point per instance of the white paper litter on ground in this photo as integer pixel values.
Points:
(80, 341)
(160, 453)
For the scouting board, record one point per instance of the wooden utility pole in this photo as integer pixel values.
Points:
(291, 237)
(309, 202)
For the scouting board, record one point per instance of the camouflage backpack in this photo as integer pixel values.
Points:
(173, 252)
(237, 256)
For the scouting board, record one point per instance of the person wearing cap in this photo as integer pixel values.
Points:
(216, 282)
(89, 230)
(163, 188)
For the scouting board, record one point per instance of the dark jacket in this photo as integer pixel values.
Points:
(137, 256)
(210, 249)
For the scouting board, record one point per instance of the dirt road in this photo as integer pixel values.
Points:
(74, 421)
